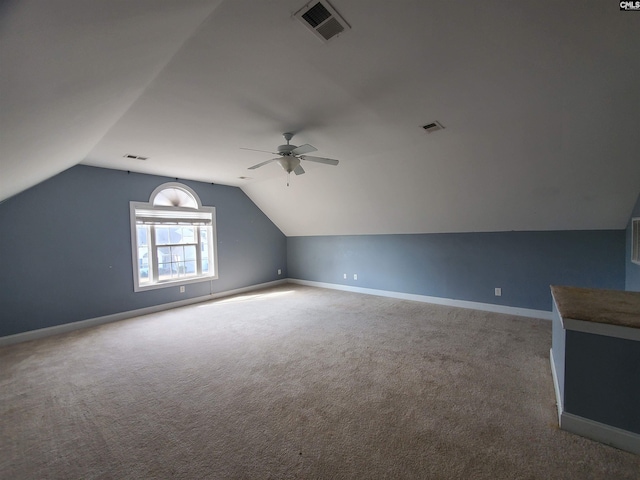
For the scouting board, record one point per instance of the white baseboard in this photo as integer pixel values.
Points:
(603, 433)
(556, 386)
(488, 307)
(92, 322)
(69, 327)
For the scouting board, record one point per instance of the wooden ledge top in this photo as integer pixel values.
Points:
(614, 307)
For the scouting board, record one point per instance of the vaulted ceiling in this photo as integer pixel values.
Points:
(539, 100)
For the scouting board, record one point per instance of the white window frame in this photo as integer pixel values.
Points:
(635, 240)
(175, 214)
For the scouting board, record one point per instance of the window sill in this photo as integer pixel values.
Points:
(173, 283)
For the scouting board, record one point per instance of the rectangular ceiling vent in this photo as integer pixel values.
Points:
(322, 19)
(432, 127)
(134, 157)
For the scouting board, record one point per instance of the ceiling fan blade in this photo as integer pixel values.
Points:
(302, 149)
(263, 163)
(254, 150)
(298, 170)
(326, 161)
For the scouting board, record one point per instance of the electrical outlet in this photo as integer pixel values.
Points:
(279, 271)
(355, 276)
(182, 288)
(344, 276)
(498, 291)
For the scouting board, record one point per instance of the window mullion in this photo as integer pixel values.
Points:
(153, 253)
(198, 251)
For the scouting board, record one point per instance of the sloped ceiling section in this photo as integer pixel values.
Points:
(72, 68)
(539, 100)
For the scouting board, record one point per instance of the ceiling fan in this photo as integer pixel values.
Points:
(290, 156)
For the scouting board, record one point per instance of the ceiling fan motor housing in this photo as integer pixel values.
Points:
(286, 149)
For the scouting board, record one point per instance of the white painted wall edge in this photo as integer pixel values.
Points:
(601, 432)
(91, 322)
(488, 307)
(556, 386)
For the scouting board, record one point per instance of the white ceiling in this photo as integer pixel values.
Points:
(540, 101)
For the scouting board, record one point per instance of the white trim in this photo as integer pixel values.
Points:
(556, 386)
(488, 307)
(607, 434)
(134, 207)
(92, 322)
(605, 329)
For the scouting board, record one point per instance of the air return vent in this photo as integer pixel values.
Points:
(134, 157)
(432, 127)
(322, 20)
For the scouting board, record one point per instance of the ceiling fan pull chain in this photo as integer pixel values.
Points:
(288, 177)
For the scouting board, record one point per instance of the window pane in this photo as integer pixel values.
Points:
(177, 253)
(190, 252)
(190, 267)
(175, 235)
(162, 235)
(164, 263)
(143, 264)
(204, 243)
(164, 254)
(180, 269)
(204, 249)
(142, 235)
(188, 235)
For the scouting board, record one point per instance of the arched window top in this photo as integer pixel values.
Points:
(174, 194)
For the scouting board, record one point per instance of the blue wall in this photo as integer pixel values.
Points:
(465, 266)
(65, 248)
(633, 269)
(601, 379)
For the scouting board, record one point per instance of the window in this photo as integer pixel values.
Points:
(635, 240)
(173, 239)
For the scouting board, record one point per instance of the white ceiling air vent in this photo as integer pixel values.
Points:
(322, 20)
(432, 127)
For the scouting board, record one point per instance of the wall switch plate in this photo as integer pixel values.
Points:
(344, 276)
(498, 292)
(355, 276)
(279, 271)
(182, 288)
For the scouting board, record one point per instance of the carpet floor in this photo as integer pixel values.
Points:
(294, 382)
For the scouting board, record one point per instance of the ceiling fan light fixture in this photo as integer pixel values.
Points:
(289, 163)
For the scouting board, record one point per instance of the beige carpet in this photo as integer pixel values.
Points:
(294, 382)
